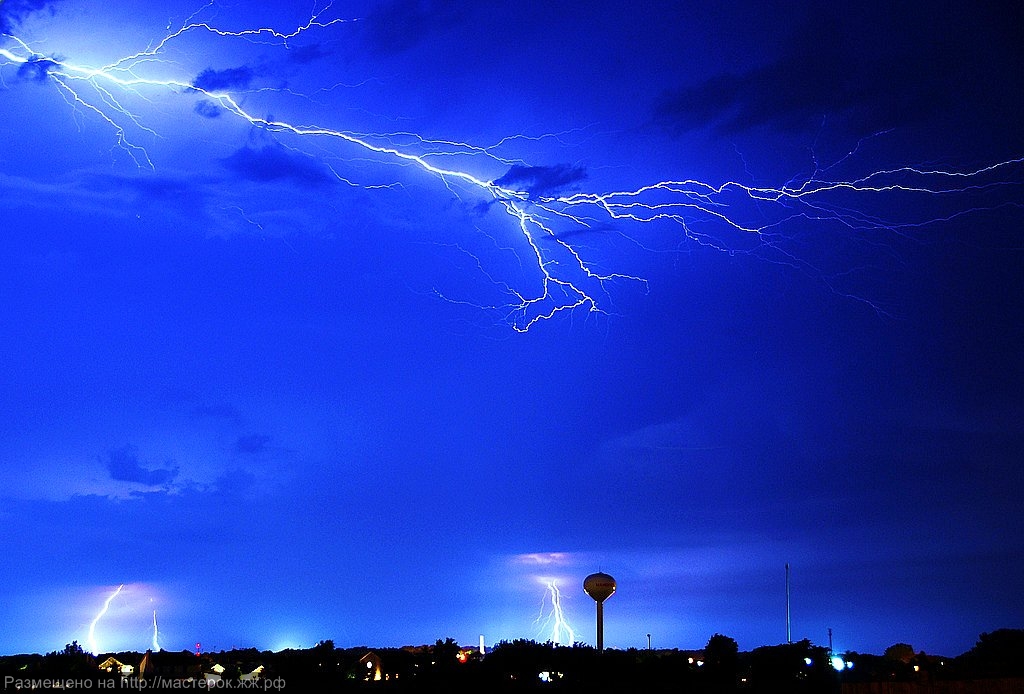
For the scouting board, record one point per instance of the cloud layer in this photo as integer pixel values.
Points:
(124, 466)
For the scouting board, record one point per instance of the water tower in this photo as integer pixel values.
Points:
(600, 587)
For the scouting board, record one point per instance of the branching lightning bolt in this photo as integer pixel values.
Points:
(92, 627)
(553, 618)
(565, 280)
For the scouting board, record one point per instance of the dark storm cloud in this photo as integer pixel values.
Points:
(900, 67)
(252, 444)
(275, 163)
(149, 186)
(540, 181)
(13, 12)
(208, 109)
(211, 80)
(399, 25)
(123, 465)
(235, 481)
(37, 68)
(144, 187)
(306, 54)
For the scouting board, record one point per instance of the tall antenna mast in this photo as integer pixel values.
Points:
(789, 633)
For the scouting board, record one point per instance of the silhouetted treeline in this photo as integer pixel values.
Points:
(995, 665)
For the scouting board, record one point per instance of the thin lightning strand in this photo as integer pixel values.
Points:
(92, 627)
(565, 280)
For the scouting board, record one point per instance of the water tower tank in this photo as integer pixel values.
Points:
(599, 586)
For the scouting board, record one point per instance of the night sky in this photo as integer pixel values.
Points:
(265, 366)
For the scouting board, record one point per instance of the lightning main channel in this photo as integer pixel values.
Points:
(156, 633)
(561, 632)
(542, 221)
(92, 626)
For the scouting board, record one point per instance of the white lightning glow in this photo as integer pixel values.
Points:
(552, 619)
(156, 633)
(564, 278)
(93, 647)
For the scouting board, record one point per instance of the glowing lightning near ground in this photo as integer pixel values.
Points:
(92, 627)
(564, 279)
(561, 632)
(156, 642)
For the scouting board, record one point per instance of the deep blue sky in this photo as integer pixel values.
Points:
(273, 384)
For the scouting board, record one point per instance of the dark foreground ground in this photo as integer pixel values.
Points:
(994, 666)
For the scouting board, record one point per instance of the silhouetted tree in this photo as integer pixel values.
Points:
(721, 663)
(443, 660)
(903, 652)
(791, 668)
(73, 661)
(445, 651)
(998, 654)
(74, 649)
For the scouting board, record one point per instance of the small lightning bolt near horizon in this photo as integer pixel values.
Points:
(92, 627)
